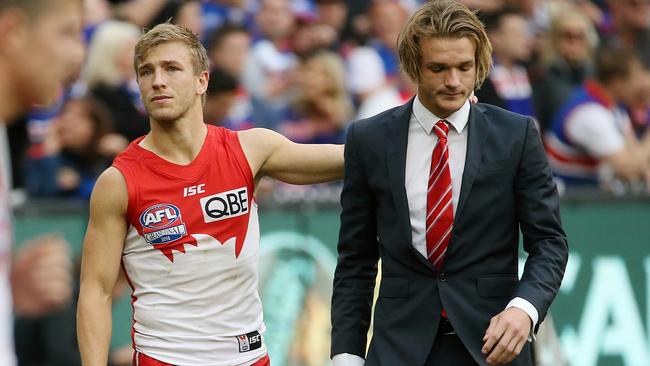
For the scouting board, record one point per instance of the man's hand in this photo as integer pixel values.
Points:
(473, 98)
(506, 336)
(41, 276)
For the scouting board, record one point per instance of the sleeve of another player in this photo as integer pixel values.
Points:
(356, 270)
(100, 265)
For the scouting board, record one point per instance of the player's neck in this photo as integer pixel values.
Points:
(178, 143)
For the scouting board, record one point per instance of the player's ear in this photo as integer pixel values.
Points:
(202, 83)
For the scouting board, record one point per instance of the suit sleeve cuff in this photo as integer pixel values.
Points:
(347, 359)
(529, 309)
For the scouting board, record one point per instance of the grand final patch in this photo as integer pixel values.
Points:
(162, 224)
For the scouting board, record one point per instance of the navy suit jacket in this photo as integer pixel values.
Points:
(507, 188)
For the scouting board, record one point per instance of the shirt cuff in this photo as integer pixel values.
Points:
(529, 309)
(347, 359)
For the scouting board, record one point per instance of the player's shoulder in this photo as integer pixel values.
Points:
(260, 139)
(258, 133)
(110, 189)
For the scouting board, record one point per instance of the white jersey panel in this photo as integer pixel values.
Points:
(192, 310)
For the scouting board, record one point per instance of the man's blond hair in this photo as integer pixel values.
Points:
(443, 19)
(165, 33)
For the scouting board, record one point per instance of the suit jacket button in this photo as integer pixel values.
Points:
(442, 277)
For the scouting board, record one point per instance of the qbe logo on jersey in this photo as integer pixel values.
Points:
(162, 224)
(225, 205)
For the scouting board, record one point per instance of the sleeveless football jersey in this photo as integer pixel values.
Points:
(191, 254)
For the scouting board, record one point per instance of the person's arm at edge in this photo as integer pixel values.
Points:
(100, 265)
(271, 154)
(356, 269)
(544, 239)
(546, 245)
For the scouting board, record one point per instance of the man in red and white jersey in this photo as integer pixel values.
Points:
(177, 211)
(40, 44)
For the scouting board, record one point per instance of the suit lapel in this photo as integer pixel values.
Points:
(396, 129)
(477, 133)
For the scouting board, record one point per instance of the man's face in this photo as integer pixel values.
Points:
(231, 54)
(627, 90)
(387, 19)
(46, 53)
(333, 14)
(512, 40)
(275, 18)
(448, 73)
(631, 14)
(168, 86)
(571, 41)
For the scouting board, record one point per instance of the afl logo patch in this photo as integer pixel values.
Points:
(162, 224)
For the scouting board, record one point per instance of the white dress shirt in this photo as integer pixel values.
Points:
(421, 141)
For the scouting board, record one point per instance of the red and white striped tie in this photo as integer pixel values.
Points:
(440, 211)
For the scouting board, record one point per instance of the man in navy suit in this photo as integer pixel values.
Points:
(439, 190)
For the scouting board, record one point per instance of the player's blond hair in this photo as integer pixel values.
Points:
(167, 32)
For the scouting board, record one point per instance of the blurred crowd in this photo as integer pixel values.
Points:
(307, 68)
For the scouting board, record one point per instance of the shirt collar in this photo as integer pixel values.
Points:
(427, 120)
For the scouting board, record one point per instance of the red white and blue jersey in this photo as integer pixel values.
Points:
(570, 160)
(191, 254)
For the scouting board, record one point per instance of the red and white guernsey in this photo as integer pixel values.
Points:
(191, 254)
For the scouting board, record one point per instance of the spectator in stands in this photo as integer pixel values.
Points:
(40, 43)
(217, 13)
(567, 60)
(78, 148)
(322, 106)
(367, 81)
(631, 27)
(224, 104)
(138, 12)
(592, 135)
(310, 35)
(387, 19)
(508, 85)
(110, 77)
(333, 13)
(271, 59)
(182, 12)
(228, 49)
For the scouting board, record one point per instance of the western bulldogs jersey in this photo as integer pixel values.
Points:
(191, 254)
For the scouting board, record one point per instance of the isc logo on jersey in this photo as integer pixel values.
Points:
(225, 205)
(162, 224)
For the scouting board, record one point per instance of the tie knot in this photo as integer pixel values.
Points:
(441, 129)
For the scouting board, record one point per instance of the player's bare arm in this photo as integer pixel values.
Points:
(102, 253)
(271, 154)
